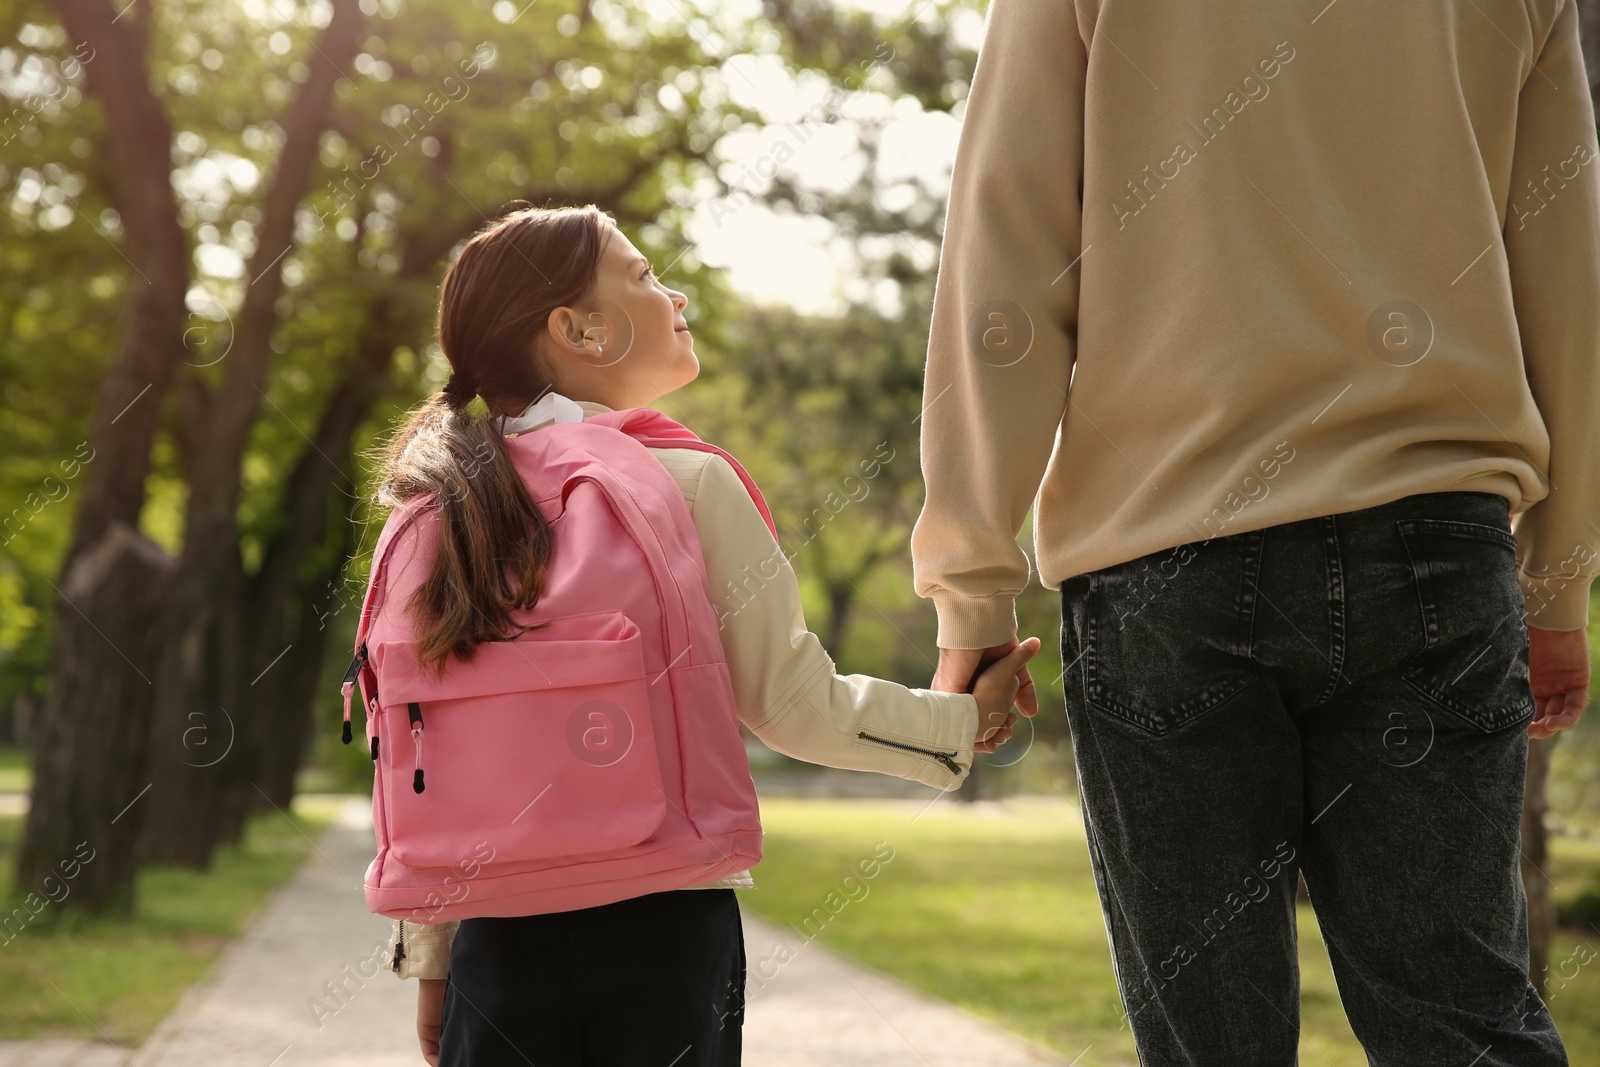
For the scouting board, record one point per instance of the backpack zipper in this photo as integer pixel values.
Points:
(416, 735)
(399, 948)
(943, 757)
(347, 686)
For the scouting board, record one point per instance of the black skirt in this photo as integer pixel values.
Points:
(656, 979)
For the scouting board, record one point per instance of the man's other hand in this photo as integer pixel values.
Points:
(1558, 663)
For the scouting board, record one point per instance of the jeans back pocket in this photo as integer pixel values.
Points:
(1166, 639)
(1472, 615)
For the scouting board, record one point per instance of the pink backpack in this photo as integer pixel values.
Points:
(594, 759)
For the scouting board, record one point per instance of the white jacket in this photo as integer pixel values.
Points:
(785, 686)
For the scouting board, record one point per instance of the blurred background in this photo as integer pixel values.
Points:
(224, 227)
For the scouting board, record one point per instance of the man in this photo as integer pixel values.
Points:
(1284, 311)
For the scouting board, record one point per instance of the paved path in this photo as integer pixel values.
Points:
(63, 1054)
(304, 987)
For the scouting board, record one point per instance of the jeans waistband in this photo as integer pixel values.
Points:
(1470, 506)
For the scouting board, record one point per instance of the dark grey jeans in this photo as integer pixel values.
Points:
(1346, 696)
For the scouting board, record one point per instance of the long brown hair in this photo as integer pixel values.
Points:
(495, 301)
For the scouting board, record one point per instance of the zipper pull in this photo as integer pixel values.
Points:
(347, 686)
(345, 734)
(416, 735)
(944, 758)
(355, 664)
(374, 748)
(399, 948)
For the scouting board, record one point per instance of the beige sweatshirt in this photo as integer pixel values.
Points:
(1210, 267)
(784, 682)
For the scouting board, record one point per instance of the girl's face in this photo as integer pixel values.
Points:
(629, 343)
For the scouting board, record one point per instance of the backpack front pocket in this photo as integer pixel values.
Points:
(537, 748)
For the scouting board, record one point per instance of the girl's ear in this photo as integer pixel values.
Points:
(580, 336)
(565, 329)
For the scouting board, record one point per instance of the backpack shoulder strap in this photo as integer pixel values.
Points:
(360, 670)
(401, 517)
(653, 429)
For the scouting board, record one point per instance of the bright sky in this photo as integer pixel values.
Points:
(795, 259)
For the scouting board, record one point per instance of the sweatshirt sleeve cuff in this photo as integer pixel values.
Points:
(1557, 603)
(975, 622)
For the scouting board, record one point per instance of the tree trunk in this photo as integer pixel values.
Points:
(283, 716)
(840, 598)
(91, 732)
(211, 661)
(89, 790)
(285, 639)
(972, 790)
(192, 754)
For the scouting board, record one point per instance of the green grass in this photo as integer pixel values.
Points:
(993, 908)
(16, 776)
(127, 977)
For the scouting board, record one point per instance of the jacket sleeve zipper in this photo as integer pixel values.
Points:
(399, 948)
(945, 758)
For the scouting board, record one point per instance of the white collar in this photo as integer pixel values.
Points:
(550, 408)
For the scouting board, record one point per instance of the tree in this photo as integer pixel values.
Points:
(259, 200)
(180, 674)
(93, 730)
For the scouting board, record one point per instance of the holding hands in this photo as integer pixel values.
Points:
(1004, 681)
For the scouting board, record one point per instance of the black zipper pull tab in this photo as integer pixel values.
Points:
(347, 686)
(416, 735)
(355, 664)
(399, 948)
(374, 748)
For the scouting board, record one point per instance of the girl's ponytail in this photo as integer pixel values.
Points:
(494, 542)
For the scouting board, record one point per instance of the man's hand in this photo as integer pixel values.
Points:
(430, 1007)
(1558, 663)
(958, 671)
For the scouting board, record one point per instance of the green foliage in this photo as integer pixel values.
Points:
(1583, 909)
(448, 113)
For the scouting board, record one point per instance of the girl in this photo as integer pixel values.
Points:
(551, 315)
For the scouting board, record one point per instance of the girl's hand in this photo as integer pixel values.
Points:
(430, 1006)
(959, 667)
(996, 690)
